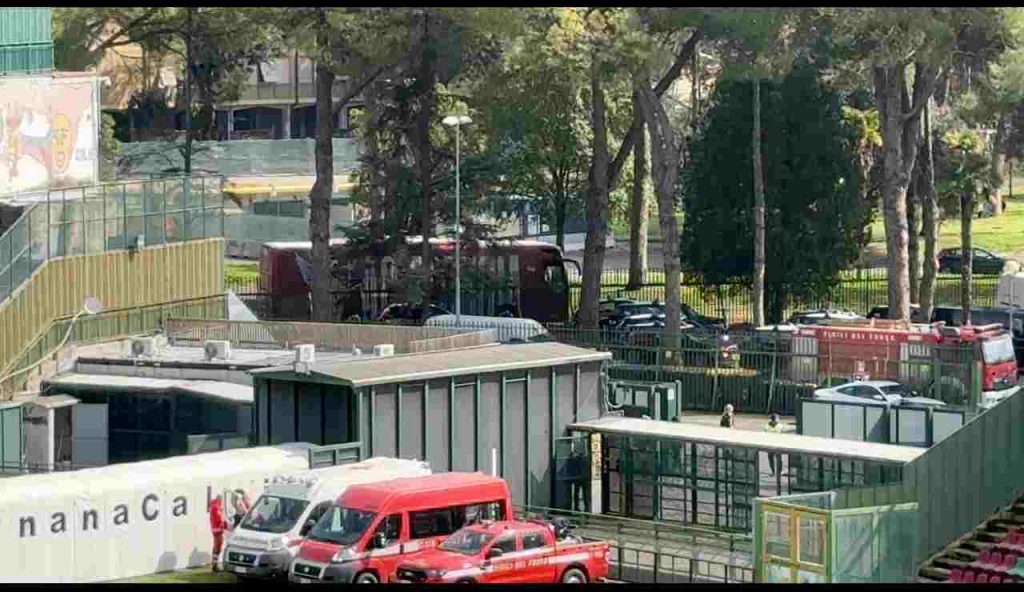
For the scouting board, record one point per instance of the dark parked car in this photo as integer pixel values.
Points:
(410, 314)
(882, 312)
(984, 262)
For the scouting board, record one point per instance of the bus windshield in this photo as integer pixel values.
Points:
(997, 351)
(342, 526)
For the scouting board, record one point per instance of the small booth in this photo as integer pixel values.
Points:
(836, 537)
(709, 476)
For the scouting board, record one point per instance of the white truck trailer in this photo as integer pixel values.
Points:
(126, 520)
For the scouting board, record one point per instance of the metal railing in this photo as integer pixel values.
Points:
(197, 443)
(108, 325)
(327, 336)
(647, 551)
(857, 290)
(107, 217)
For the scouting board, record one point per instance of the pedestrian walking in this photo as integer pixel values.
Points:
(775, 427)
(218, 524)
(727, 417)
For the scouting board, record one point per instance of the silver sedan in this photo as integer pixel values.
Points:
(873, 392)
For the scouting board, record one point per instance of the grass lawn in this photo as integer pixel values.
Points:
(1003, 234)
(198, 575)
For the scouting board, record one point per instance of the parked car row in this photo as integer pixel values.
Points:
(440, 528)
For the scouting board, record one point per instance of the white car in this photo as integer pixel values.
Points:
(873, 392)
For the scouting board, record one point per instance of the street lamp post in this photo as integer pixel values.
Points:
(457, 121)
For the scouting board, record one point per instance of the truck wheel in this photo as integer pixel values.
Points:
(466, 581)
(574, 576)
(366, 578)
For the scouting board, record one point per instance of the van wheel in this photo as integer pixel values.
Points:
(466, 581)
(574, 576)
(366, 578)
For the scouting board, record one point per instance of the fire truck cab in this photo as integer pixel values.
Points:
(909, 353)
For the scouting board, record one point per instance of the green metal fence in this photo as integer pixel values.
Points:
(113, 216)
(858, 290)
(644, 551)
(763, 373)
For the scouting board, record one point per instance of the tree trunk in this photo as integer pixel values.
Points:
(998, 162)
(967, 259)
(597, 205)
(320, 195)
(929, 219)
(665, 153)
(1009, 175)
(913, 244)
(759, 207)
(423, 149)
(638, 207)
(187, 156)
(561, 204)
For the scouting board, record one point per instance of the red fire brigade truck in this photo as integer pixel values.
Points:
(909, 353)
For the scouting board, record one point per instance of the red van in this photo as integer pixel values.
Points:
(364, 536)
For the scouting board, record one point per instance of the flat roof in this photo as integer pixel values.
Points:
(196, 354)
(691, 432)
(213, 389)
(361, 372)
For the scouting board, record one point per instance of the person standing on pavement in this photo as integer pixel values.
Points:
(218, 524)
(727, 417)
(774, 426)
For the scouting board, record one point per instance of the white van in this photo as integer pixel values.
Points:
(268, 537)
(508, 329)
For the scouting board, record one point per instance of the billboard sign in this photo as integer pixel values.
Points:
(49, 132)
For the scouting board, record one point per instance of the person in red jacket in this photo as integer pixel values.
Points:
(218, 524)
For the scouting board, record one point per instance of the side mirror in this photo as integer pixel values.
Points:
(494, 552)
(878, 398)
(379, 541)
(307, 527)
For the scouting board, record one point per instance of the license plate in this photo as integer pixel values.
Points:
(242, 570)
(303, 581)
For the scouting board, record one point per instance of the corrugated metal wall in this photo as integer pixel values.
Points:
(453, 423)
(26, 43)
(960, 481)
(119, 279)
(969, 475)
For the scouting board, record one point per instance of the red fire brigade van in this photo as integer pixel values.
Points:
(364, 536)
(905, 352)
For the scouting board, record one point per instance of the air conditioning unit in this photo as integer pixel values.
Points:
(305, 353)
(384, 349)
(143, 346)
(217, 350)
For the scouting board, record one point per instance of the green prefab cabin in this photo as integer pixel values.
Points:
(501, 408)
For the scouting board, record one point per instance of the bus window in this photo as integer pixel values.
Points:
(554, 276)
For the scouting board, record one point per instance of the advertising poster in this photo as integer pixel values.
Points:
(48, 132)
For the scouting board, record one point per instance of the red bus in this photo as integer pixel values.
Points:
(363, 537)
(531, 275)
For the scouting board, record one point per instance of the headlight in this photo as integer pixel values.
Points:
(346, 554)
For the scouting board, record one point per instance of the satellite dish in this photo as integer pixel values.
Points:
(92, 305)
